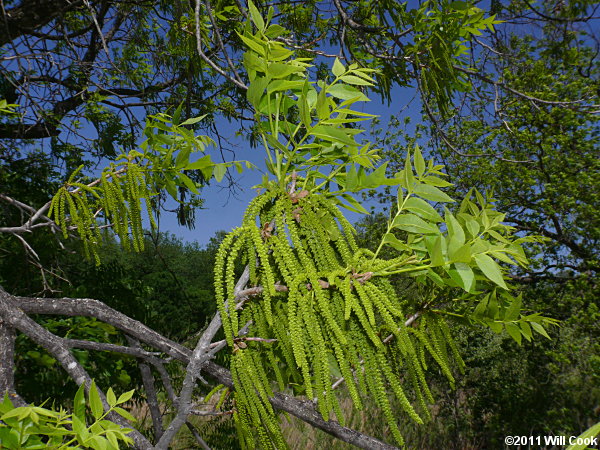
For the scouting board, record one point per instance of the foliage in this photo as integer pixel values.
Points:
(535, 148)
(118, 194)
(338, 305)
(549, 145)
(35, 427)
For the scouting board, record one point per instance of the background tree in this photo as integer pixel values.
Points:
(528, 132)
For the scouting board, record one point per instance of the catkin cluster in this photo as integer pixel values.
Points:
(118, 197)
(320, 312)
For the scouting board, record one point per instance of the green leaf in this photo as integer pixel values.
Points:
(355, 81)
(496, 327)
(219, 171)
(256, 16)
(282, 70)
(345, 92)
(80, 430)
(124, 413)
(434, 247)
(256, 90)
(171, 188)
(472, 226)
(432, 193)
(460, 5)
(414, 224)
(79, 402)
(585, 438)
(436, 181)
(188, 183)
(9, 437)
(354, 204)
(351, 179)
(95, 401)
(461, 254)
(253, 45)
(111, 398)
(423, 209)
(463, 275)
(193, 120)
(525, 330)
(99, 443)
(183, 158)
(394, 242)
(419, 161)
(490, 269)
(15, 413)
(275, 31)
(479, 311)
(305, 111)
(514, 310)
(125, 397)
(338, 68)
(539, 328)
(514, 332)
(332, 134)
(322, 105)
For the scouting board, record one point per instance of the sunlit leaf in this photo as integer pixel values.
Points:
(490, 269)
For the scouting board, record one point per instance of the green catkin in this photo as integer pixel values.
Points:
(432, 351)
(63, 194)
(119, 214)
(250, 406)
(313, 278)
(317, 239)
(130, 196)
(367, 328)
(452, 343)
(437, 338)
(387, 297)
(416, 362)
(365, 301)
(419, 391)
(267, 278)
(319, 357)
(284, 260)
(344, 366)
(376, 297)
(281, 332)
(347, 227)
(230, 282)
(397, 387)
(316, 327)
(346, 288)
(263, 330)
(377, 388)
(342, 244)
(357, 343)
(220, 293)
(297, 338)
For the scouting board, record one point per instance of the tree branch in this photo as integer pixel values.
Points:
(31, 15)
(94, 308)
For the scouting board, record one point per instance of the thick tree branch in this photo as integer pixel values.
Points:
(151, 397)
(31, 15)
(7, 359)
